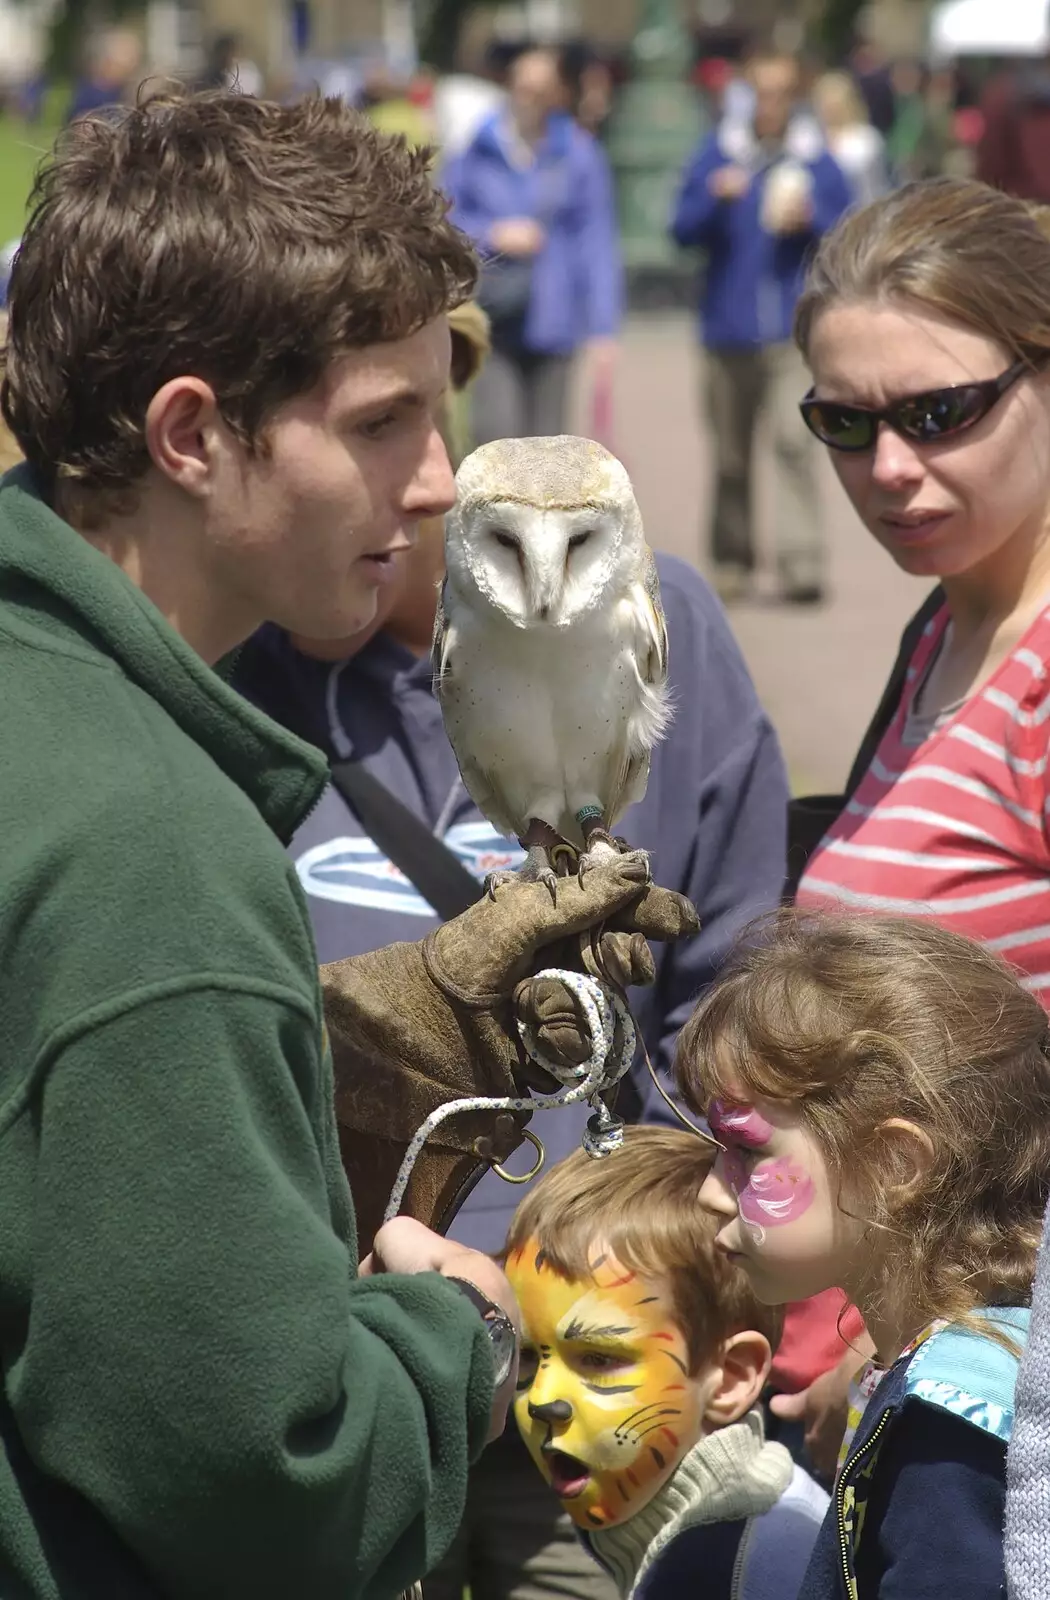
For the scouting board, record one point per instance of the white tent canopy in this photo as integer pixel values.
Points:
(990, 27)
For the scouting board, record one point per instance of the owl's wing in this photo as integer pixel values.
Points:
(441, 643)
(652, 663)
(478, 782)
(653, 712)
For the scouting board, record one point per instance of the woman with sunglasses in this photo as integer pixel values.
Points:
(925, 321)
(926, 324)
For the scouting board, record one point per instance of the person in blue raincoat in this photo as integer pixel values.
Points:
(534, 192)
(755, 196)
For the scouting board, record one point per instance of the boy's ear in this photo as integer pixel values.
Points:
(740, 1377)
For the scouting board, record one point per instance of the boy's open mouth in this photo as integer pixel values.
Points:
(569, 1475)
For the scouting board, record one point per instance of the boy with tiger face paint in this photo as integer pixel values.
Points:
(603, 1384)
(644, 1356)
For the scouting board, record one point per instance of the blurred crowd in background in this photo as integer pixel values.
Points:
(911, 118)
(535, 153)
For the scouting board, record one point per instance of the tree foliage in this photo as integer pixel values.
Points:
(835, 25)
(440, 23)
(71, 24)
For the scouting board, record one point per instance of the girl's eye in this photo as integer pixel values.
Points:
(528, 1366)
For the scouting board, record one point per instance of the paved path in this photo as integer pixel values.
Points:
(819, 673)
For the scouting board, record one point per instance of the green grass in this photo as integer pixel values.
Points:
(21, 147)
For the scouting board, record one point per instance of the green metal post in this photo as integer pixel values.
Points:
(655, 123)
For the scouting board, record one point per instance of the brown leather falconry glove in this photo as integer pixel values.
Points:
(415, 1025)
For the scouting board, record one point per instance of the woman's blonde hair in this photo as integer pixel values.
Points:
(837, 90)
(856, 1021)
(950, 246)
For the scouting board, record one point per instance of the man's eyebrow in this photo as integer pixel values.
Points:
(404, 394)
(594, 1330)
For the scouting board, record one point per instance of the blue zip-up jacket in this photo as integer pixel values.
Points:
(577, 278)
(753, 278)
(713, 820)
(918, 1508)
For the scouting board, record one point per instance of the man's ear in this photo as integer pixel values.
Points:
(743, 1368)
(909, 1151)
(181, 432)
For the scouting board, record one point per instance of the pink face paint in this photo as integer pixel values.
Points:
(776, 1191)
(738, 1124)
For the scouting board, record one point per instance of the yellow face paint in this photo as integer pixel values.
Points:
(605, 1401)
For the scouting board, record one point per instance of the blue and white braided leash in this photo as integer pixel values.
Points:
(602, 1007)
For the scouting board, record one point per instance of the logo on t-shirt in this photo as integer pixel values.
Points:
(353, 872)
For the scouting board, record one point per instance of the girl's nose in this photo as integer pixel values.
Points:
(715, 1194)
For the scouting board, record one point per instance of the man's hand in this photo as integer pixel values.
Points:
(404, 1245)
(823, 1408)
(794, 215)
(414, 1026)
(729, 183)
(517, 236)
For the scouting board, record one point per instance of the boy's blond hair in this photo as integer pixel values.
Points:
(642, 1203)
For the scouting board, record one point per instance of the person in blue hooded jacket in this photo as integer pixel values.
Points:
(756, 195)
(534, 192)
(713, 820)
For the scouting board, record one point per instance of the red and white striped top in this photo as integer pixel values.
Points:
(955, 828)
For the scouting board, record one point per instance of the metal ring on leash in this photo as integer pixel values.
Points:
(523, 1177)
(602, 1007)
(566, 850)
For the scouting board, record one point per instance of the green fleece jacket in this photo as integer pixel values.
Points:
(199, 1397)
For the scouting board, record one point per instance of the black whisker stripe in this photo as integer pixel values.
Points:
(657, 1457)
(612, 1388)
(653, 1427)
(654, 1405)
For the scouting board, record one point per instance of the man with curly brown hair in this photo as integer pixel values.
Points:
(227, 344)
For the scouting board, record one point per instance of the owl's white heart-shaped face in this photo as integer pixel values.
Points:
(542, 529)
(538, 566)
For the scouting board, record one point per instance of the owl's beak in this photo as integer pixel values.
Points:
(543, 585)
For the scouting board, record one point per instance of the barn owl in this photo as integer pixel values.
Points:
(550, 651)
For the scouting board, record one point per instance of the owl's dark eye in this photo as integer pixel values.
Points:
(579, 538)
(507, 540)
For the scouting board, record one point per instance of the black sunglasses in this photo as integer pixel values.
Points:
(925, 418)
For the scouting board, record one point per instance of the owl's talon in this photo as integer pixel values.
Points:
(643, 856)
(551, 880)
(496, 880)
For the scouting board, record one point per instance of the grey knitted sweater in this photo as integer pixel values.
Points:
(1028, 1459)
